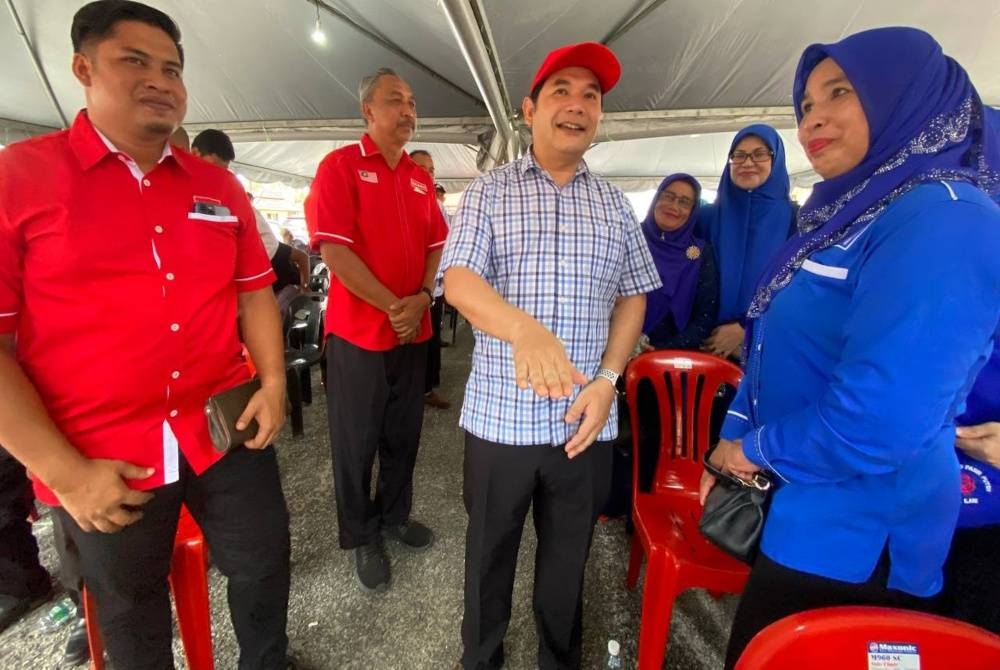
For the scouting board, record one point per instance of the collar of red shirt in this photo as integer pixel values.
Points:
(369, 149)
(90, 146)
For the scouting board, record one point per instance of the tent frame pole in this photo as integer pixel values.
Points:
(39, 70)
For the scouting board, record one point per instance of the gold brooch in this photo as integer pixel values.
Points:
(693, 252)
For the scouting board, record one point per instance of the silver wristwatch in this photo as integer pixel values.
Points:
(610, 375)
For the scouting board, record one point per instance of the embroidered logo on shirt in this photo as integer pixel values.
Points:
(418, 186)
(367, 176)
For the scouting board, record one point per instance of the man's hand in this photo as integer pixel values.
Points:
(267, 406)
(725, 341)
(540, 361)
(406, 314)
(100, 500)
(727, 457)
(982, 442)
(594, 405)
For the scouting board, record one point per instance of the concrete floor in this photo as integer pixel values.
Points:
(415, 625)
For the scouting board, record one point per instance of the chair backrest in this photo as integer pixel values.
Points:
(685, 384)
(305, 316)
(859, 638)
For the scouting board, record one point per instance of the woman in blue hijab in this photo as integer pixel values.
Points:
(681, 313)
(750, 219)
(866, 331)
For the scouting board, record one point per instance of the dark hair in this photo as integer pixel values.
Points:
(420, 152)
(96, 21)
(439, 188)
(537, 91)
(214, 142)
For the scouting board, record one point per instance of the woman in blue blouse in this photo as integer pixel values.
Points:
(750, 219)
(866, 331)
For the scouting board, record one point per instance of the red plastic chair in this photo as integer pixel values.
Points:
(189, 584)
(844, 637)
(666, 518)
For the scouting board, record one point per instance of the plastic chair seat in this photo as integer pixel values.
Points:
(845, 637)
(189, 585)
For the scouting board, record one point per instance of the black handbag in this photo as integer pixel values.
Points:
(734, 513)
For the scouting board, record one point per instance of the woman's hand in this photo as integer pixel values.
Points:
(981, 441)
(725, 341)
(728, 456)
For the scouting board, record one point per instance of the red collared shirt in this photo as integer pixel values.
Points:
(390, 219)
(120, 289)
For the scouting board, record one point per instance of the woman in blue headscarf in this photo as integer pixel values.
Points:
(750, 219)
(866, 331)
(681, 313)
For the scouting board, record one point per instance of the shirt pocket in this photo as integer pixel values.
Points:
(209, 244)
(604, 249)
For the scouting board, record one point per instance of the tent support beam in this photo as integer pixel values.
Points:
(472, 34)
(631, 23)
(39, 70)
(386, 44)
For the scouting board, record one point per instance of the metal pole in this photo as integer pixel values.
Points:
(39, 70)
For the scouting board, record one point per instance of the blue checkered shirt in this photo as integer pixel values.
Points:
(561, 255)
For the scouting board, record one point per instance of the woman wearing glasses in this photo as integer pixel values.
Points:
(749, 220)
(866, 331)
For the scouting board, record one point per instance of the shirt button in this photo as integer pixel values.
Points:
(175, 374)
(145, 182)
(158, 229)
(173, 413)
(175, 327)
(170, 276)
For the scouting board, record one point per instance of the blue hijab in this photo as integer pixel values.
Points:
(926, 123)
(672, 253)
(747, 227)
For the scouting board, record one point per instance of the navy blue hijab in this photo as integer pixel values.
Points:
(926, 123)
(747, 227)
(670, 251)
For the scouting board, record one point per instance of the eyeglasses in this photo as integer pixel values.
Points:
(757, 156)
(670, 198)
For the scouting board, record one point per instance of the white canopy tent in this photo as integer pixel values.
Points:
(694, 72)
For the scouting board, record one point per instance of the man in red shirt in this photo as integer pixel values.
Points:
(371, 212)
(125, 268)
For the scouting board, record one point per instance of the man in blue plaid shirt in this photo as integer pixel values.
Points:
(548, 264)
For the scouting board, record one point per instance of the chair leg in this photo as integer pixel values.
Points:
(634, 562)
(189, 584)
(305, 382)
(94, 640)
(657, 607)
(295, 399)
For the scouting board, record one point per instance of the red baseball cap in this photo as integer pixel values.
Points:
(591, 55)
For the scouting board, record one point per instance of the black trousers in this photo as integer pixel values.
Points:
(376, 407)
(70, 570)
(774, 592)
(971, 581)
(240, 507)
(21, 573)
(432, 378)
(501, 481)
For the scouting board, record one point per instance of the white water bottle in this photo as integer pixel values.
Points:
(614, 656)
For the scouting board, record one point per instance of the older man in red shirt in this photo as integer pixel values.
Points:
(372, 213)
(125, 268)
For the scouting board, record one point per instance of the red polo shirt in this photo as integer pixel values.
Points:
(120, 289)
(390, 219)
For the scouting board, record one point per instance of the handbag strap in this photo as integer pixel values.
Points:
(760, 481)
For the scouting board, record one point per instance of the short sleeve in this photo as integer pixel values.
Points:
(438, 232)
(471, 234)
(639, 275)
(332, 206)
(253, 267)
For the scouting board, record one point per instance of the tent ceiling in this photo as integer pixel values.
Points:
(702, 67)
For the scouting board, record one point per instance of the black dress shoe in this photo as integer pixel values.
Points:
(77, 645)
(372, 567)
(412, 535)
(13, 608)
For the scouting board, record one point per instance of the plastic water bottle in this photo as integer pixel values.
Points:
(58, 616)
(614, 655)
